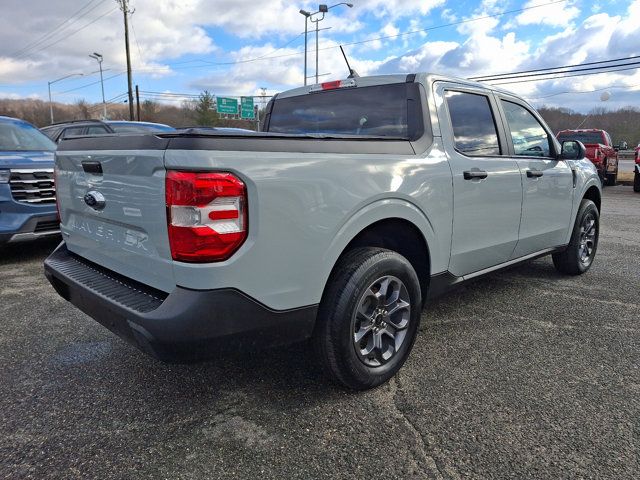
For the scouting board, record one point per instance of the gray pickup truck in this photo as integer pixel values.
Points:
(360, 200)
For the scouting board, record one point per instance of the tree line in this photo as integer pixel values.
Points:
(622, 124)
(187, 113)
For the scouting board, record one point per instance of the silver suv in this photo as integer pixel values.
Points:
(360, 200)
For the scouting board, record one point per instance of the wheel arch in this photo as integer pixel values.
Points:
(396, 225)
(593, 193)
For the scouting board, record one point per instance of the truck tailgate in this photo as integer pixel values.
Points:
(113, 210)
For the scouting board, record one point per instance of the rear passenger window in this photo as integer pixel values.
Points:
(70, 132)
(474, 128)
(528, 136)
(96, 130)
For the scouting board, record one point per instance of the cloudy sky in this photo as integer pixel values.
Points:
(235, 47)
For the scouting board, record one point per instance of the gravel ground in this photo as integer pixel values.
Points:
(521, 374)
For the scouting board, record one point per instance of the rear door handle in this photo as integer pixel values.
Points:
(534, 173)
(473, 174)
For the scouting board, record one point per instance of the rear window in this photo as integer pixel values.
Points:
(584, 137)
(18, 137)
(381, 111)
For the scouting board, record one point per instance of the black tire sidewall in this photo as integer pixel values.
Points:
(378, 265)
(586, 207)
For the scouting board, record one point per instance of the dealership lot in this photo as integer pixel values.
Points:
(523, 374)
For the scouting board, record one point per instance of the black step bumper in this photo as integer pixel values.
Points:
(185, 325)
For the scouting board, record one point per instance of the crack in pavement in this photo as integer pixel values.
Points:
(425, 460)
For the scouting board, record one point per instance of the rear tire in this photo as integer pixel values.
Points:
(368, 318)
(579, 255)
(612, 179)
(636, 182)
(603, 174)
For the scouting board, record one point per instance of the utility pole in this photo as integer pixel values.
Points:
(138, 102)
(124, 6)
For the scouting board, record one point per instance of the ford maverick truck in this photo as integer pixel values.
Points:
(360, 200)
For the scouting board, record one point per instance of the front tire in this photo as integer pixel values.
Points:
(368, 318)
(636, 182)
(579, 255)
(603, 174)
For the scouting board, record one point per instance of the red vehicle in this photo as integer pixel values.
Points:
(600, 151)
(636, 169)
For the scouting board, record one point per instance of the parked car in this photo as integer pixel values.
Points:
(59, 131)
(27, 186)
(363, 198)
(600, 150)
(230, 130)
(121, 126)
(636, 176)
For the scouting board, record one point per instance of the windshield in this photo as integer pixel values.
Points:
(19, 136)
(373, 111)
(139, 128)
(584, 137)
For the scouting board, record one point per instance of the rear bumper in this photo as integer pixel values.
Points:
(184, 325)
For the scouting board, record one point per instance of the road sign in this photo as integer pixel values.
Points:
(227, 105)
(246, 110)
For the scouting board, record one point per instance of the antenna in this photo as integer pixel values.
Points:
(352, 72)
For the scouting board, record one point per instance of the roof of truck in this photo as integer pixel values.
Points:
(372, 80)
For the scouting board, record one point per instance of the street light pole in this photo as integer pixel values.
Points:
(99, 59)
(322, 8)
(55, 81)
(317, 22)
(306, 22)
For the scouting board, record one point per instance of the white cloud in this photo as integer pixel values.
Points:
(397, 8)
(554, 15)
(598, 37)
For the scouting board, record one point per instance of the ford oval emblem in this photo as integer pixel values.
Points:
(95, 200)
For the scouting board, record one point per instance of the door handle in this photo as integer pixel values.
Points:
(473, 174)
(534, 173)
(92, 167)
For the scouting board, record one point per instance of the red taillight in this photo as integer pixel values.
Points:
(206, 215)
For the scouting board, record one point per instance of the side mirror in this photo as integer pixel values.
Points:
(572, 150)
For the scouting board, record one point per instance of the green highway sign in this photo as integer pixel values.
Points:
(246, 108)
(227, 105)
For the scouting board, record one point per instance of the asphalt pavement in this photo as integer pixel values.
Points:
(522, 374)
(626, 165)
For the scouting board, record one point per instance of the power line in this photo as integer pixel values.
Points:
(135, 37)
(69, 34)
(54, 31)
(567, 70)
(567, 76)
(369, 40)
(89, 84)
(487, 77)
(585, 91)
